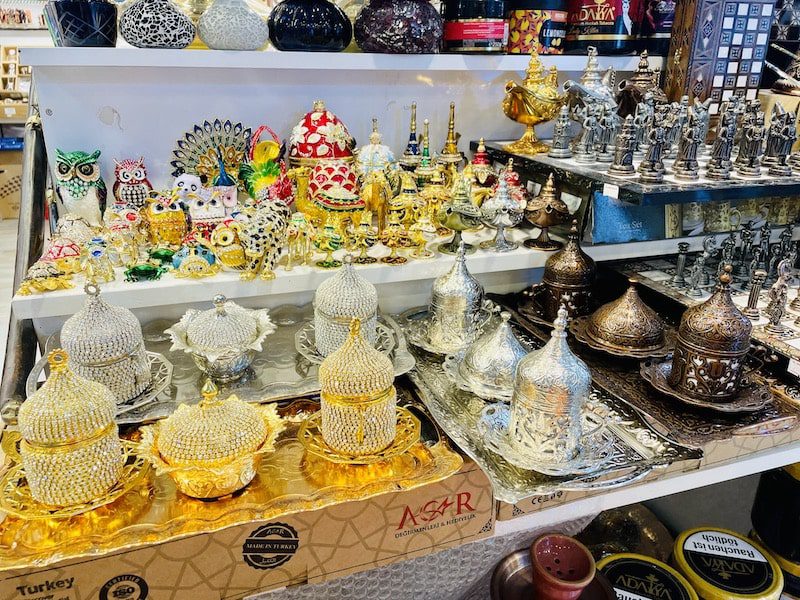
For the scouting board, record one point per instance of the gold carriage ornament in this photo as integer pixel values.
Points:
(359, 421)
(71, 459)
(213, 448)
(536, 100)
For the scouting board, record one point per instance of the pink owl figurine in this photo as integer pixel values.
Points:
(131, 186)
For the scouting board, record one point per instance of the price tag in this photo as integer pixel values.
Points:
(611, 190)
(794, 367)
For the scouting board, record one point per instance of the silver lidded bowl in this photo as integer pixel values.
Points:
(104, 344)
(223, 340)
(456, 302)
(340, 299)
(488, 366)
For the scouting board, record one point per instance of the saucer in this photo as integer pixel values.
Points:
(452, 368)
(416, 323)
(751, 396)
(595, 450)
(513, 580)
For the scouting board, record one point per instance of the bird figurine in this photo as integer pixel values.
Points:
(166, 221)
(263, 167)
(131, 186)
(81, 188)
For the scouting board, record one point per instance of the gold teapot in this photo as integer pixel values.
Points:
(536, 100)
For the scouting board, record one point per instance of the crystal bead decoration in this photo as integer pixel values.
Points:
(340, 299)
(550, 390)
(223, 340)
(456, 302)
(357, 398)
(213, 448)
(70, 448)
(713, 341)
(104, 343)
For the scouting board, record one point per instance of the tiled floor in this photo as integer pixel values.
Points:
(8, 252)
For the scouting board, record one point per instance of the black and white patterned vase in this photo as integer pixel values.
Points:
(234, 25)
(156, 24)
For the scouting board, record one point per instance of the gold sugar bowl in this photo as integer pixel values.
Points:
(625, 327)
(213, 448)
(359, 421)
(71, 459)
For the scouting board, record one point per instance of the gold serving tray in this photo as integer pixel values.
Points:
(288, 481)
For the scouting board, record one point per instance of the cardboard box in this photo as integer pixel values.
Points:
(240, 561)
(10, 183)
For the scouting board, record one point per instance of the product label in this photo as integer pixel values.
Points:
(634, 579)
(655, 18)
(727, 562)
(270, 546)
(124, 587)
(486, 34)
(601, 19)
(542, 30)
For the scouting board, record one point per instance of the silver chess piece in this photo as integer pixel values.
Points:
(794, 305)
(748, 161)
(623, 152)
(741, 270)
(709, 249)
(776, 309)
(719, 166)
(643, 119)
(561, 138)
(607, 126)
(775, 122)
(728, 247)
(584, 148)
(678, 280)
(686, 166)
(786, 137)
(695, 274)
(751, 311)
(651, 169)
(701, 113)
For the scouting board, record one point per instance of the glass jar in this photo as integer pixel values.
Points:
(310, 25)
(539, 25)
(399, 27)
(78, 23)
(608, 25)
(475, 26)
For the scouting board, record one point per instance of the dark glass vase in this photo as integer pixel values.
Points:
(399, 27)
(310, 25)
(82, 23)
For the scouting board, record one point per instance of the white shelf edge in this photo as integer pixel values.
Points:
(274, 60)
(662, 486)
(171, 290)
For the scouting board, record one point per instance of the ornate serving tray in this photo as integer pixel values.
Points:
(685, 425)
(279, 372)
(288, 481)
(636, 449)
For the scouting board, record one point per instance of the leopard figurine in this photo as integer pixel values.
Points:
(263, 236)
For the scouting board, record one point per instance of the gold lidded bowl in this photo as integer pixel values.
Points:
(569, 276)
(340, 299)
(104, 343)
(223, 340)
(488, 366)
(213, 448)
(357, 397)
(627, 323)
(70, 449)
(712, 346)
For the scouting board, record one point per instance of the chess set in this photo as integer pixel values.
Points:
(764, 277)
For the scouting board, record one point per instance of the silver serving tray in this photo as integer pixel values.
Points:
(637, 449)
(278, 372)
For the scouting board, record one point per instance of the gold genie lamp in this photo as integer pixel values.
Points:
(213, 448)
(536, 100)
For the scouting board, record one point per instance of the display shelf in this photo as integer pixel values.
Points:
(274, 60)
(171, 290)
(628, 189)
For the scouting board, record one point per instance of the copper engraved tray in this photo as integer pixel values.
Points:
(637, 449)
(682, 424)
(278, 372)
(288, 481)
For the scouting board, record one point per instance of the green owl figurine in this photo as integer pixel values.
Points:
(80, 187)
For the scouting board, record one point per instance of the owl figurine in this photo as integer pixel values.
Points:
(131, 185)
(80, 187)
(166, 221)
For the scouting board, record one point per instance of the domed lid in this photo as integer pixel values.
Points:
(356, 371)
(67, 408)
(346, 295)
(61, 248)
(553, 367)
(100, 332)
(627, 322)
(570, 266)
(226, 327)
(320, 135)
(457, 287)
(495, 353)
(214, 430)
(717, 324)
